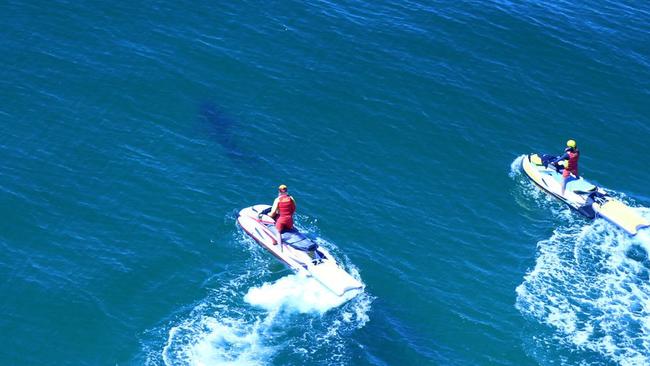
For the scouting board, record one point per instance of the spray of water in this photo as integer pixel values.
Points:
(515, 166)
(259, 317)
(297, 293)
(590, 285)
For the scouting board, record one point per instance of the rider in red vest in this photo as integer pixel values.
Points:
(571, 155)
(283, 207)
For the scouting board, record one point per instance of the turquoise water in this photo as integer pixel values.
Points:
(132, 134)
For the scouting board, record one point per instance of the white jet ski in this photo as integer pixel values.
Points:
(299, 252)
(586, 198)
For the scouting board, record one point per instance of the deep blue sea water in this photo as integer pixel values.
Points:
(131, 134)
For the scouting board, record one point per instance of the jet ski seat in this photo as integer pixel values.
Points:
(296, 239)
(299, 241)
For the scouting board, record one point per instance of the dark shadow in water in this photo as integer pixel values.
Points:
(220, 128)
(234, 139)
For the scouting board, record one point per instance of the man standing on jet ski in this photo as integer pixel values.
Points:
(283, 207)
(571, 155)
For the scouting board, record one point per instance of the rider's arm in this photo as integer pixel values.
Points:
(274, 209)
(565, 156)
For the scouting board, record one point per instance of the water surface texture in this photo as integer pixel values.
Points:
(131, 133)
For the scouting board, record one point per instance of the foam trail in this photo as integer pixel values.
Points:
(236, 334)
(295, 292)
(244, 322)
(643, 236)
(590, 284)
(586, 287)
(210, 341)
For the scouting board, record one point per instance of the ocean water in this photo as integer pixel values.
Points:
(131, 134)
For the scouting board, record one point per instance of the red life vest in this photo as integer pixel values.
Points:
(572, 164)
(286, 206)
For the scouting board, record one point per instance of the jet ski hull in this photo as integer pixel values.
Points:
(586, 198)
(297, 251)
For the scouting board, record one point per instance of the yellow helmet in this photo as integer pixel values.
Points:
(571, 144)
(282, 187)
